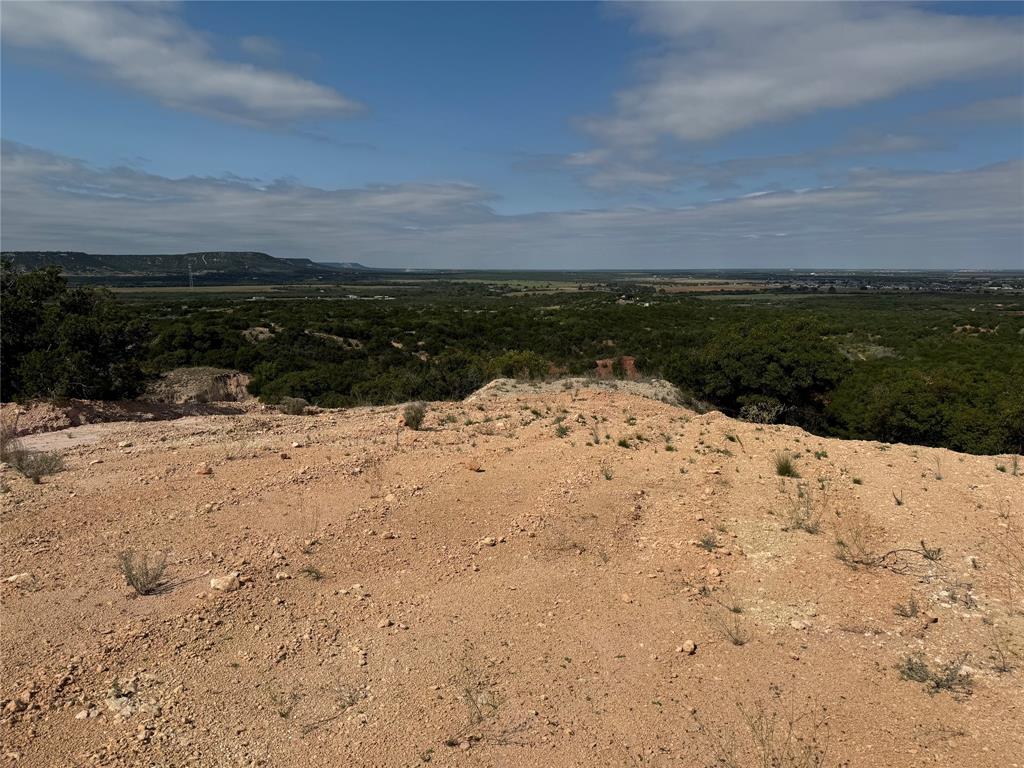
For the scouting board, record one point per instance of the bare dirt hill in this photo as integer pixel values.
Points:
(498, 590)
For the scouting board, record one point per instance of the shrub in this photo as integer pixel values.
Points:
(34, 465)
(944, 677)
(414, 414)
(762, 411)
(803, 516)
(293, 406)
(145, 577)
(784, 466)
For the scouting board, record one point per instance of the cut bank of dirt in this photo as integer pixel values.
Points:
(499, 590)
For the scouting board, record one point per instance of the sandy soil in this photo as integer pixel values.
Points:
(496, 590)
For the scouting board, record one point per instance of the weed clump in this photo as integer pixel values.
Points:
(414, 414)
(784, 466)
(145, 577)
(293, 406)
(944, 677)
(35, 465)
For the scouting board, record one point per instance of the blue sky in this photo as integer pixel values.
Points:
(520, 134)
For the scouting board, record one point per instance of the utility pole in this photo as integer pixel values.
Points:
(191, 279)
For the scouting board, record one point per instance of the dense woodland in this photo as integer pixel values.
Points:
(935, 369)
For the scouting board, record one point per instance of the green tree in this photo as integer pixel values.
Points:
(61, 342)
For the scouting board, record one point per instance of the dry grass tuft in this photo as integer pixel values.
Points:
(145, 577)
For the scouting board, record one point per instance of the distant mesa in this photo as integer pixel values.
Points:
(201, 268)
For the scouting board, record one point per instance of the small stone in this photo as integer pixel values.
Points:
(799, 624)
(384, 623)
(689, 648)
(296, 445)
(285, 455)
(282, 575)
(227, 583)
(84, 714)
(125, 444)
(204, 469)
(488, 541)
(626, 597)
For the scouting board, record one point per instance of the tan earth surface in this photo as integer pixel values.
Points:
(497, 590)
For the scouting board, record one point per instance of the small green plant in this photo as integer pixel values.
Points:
(932, 554)
(624, 443)
(784, 466)
(414, 414)
(822, 454)
(607, 473)
(898, 499)
(311, 572)
(857, 481)
(561, 430)
(708, 542)
(145, 577)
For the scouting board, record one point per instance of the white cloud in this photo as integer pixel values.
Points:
(260, 47)
(965, 219)
(150, 49)
(722, 67)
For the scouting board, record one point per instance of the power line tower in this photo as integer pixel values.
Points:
(191, 279)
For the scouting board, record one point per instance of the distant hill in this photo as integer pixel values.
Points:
(208, 267)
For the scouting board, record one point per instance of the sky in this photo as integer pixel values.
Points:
(519, 135)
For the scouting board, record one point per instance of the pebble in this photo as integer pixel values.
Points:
(227, 583)
(204, 469)
(689, 648)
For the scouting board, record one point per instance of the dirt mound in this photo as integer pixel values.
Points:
(544, 575)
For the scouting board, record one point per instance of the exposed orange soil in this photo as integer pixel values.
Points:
(493, 594)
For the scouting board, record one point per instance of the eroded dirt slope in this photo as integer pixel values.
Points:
(496, 589)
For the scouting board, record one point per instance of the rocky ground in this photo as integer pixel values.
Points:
(569, 575)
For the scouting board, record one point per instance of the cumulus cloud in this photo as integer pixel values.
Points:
(150, 49)
(963, 219)
(723, 67)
